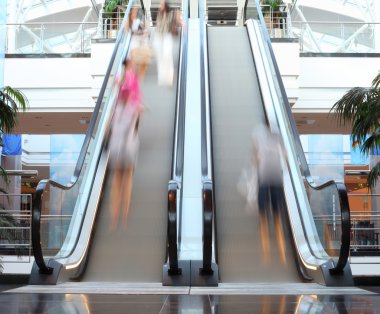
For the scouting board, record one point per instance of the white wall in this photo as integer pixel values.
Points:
(316, 83)
(72, 84)
(324, 80)
(52, 84)
(36, 149)
(100, 55)
(288, 60)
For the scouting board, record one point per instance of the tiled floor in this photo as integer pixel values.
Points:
(100, 303)
(122, 299)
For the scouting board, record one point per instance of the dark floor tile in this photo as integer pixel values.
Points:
(45, 303)
(187, 304)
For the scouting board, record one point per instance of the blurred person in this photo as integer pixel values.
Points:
(124, 142)
(166, 27)
(139, 51)
(267, 152)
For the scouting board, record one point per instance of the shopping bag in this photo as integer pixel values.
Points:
(247, 185)
(142, 54)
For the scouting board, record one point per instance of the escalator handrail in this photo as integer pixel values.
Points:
(174, 203)
(36, 233)
(346, 229)
(345, 216)
(209, 226)
(179, 129)
(37, 200)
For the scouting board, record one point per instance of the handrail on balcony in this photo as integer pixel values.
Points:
(22, 173)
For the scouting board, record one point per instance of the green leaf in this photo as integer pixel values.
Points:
(5, 177)
(360, 107)
(373, 176)
(11, 101)
(376, 82)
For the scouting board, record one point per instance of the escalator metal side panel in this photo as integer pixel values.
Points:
(236, 107)
(318, 268)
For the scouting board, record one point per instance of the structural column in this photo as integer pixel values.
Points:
(194, 8)
(376, 13)
(3, 17)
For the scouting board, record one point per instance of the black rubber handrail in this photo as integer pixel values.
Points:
(346, 229)
(209, 230)
(172, 230)
(36, 234)
(345, 216)
(37, 199)
(174, 213)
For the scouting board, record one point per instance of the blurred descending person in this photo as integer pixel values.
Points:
(167, 25)
(139, 51)
(267, 152)
(124, 142)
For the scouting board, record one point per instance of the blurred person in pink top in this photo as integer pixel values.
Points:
(124, 141)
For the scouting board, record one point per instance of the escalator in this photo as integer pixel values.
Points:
(93, 249)
(236, 107)
(139, 245)
(245, 89)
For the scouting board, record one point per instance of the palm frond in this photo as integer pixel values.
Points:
(11, 101)
(6, 220)
(7, 114)
(18, 97)
(376, 81)
(4, 175)
(370, 144)
(361, 128)
(360, 107)
(351, 104)
(373, 176)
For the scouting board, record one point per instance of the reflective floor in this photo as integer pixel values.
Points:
(118, 303)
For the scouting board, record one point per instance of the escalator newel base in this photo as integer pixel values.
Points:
(206, 271)
(179, 276)
(204, 277)
(175, 271)
(342, 279)
(38, 278)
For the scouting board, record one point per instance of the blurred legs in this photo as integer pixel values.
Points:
(127, 184)
(121, 196)
(278, 199)
(264, 228)
(116, 197)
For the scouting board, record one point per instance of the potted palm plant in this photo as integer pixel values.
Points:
(272, 13)
(360, 107)
(113, 13)
(11, 101)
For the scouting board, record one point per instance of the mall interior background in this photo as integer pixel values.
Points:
(57, 52)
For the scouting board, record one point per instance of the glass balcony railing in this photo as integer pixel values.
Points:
(365, 229)
(337, 37)
(15, 227)
(61, 37)
(42, 38)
